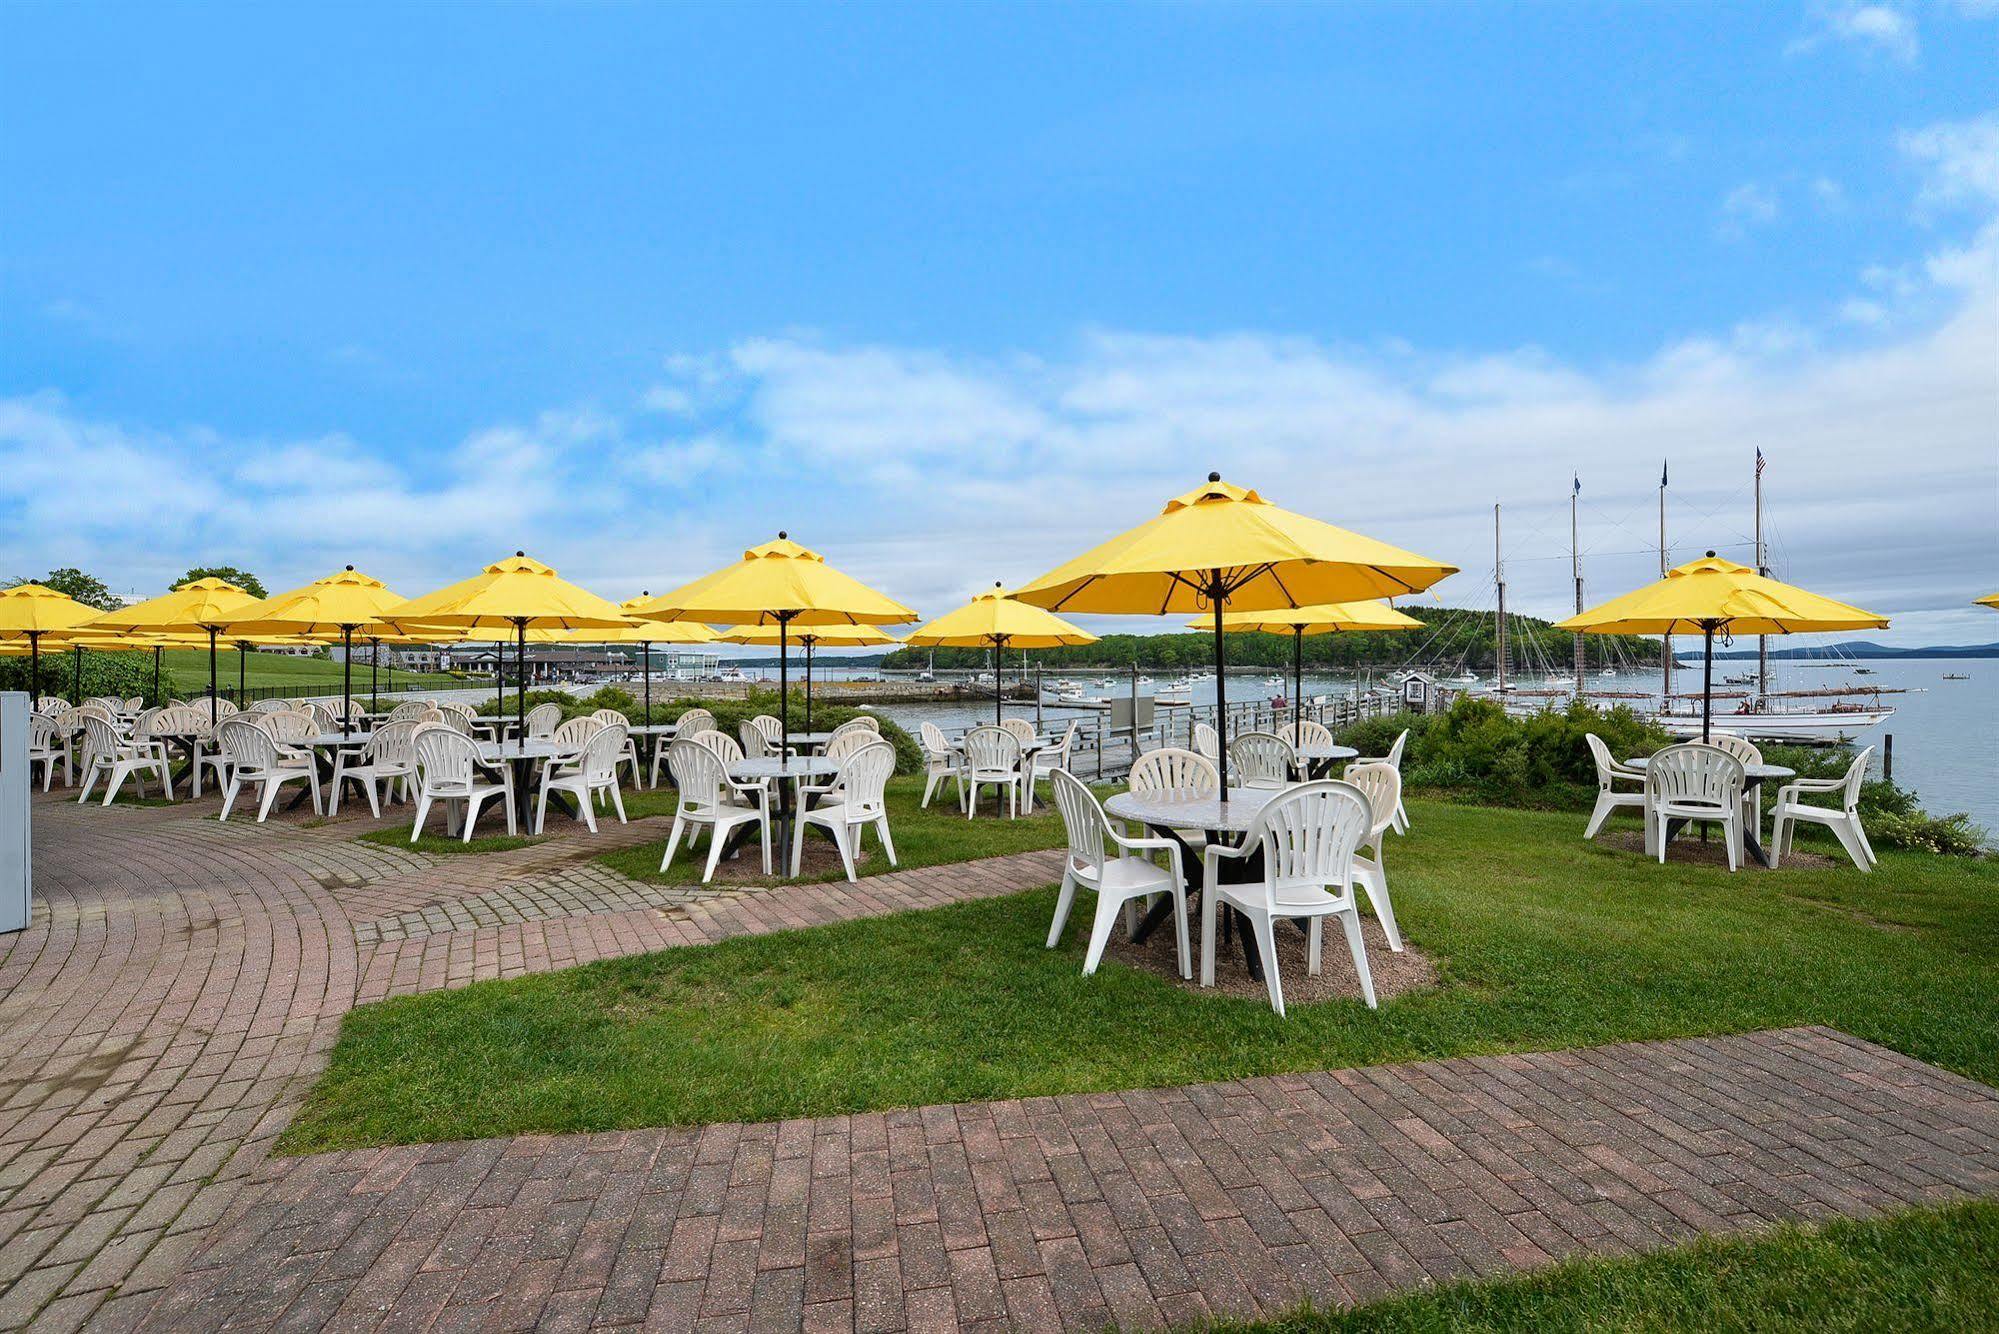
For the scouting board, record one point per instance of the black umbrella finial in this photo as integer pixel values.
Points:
(520, 553)
(1710, 552)
(1214, 477)
(350, 565)
(783, 536)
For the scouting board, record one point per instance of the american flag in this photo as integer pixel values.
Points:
(1759, 460)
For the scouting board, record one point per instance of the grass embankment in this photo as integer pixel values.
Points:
(1927, 1269)
(187, 670)
(1543, 941)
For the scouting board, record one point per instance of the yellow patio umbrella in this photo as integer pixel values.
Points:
(196, 608)
(30, 611)
(1989, 600)
(779, 583)
(1712, 595)
(517, 594)
(1298, 622)
(999, 621)
(1222, 548)
(335, 605)
(841, 636)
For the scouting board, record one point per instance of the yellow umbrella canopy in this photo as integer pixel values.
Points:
(28, 612)
(1222, 548)
(1714, 594)
(333, 606)
(1298, 622)
(514, 595)
(1225, 542)
(1989, 600)
(779, 583)
(195, 608)
(999, 621)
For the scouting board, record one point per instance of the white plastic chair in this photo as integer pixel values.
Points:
(52, 706)
(773, 733)
(541, 720)
(755, 744)
(48, 747)
(1742, 748)
(323, 718)
(1307, 836)
(709, 800)
(1609, 773)
(1023, 730)
(574, 734)
(115, 757)
(630, 754)
(1694, 782)
(412, 710)
(1305, 732)
(1262, 759)
(591, 776)
(939, 762)
(1844, 822)
(992, 759)
(447, 767)
(388, 757)
(688, 725)
(853, 801)
(1171, 769)
(861, 723)
(1394, 760)
(1207, 743)
(1043, 763)
(255, 757)
(269, 706)
(1381, 783)
(1118, 880)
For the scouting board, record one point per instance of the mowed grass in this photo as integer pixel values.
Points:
(1543, 941)
(923, 837)
(445, 845)
(1927, 1269)
(187, 670)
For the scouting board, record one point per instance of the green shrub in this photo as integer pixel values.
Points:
(120, 674)
(1949, 835)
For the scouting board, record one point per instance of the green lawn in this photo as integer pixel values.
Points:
(1543, 941)
(187, 670)
(1928, 1269)
(923, 837)
(399, 837)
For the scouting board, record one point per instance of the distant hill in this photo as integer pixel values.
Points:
(1861, 648)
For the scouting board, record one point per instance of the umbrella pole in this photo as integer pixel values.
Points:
(34, 666)
(999, 648)
(784, 682)
(521, 669)
(809, 641)
(1297, 680)
(242, 672)
(77, 689)
(374, 667)
(1707, 680)
(346, 680)
(214, 712)
(157, 651)
(1216, 592)
(645, 669)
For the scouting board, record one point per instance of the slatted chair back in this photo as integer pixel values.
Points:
(458, 720)
(845, 742)
(1381, 784)
(543, 719)
(725, 747)
(1742, 748)
(692, 721)
(1308, 836)
(100, 739)
(322, 717)
(612, 718)
(755, 744)
(109, 703)
(1170, 769)
(1395, 751)
(575, 734)
(1083, 822)
(1023, 730)
(1697, 775)
(934, 743)
(772, 729)
(43, 734)
(133, 703)
(52, 706)
(700, 775)
(248, 746)
(1305, 732)
(393, 744)
(142, 726)
(602, 752)
(290, 728)
(863, 726)
(1606, 764)
(270, 706)
(863, 779)
(1262, 759)
(411, 710)
(990, 749)
(1207, 742)
(181, 720)
(224, 708)
(445, 757)
(863, 720)
(1856, 774)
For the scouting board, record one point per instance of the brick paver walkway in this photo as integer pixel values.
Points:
(183, 981)
(1136, 1208)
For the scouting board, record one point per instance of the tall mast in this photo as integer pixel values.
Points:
(1762, 567)
(1499, 578)
(1665, 641)
(1576, 567)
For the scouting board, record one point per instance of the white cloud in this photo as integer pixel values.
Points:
(1960, 160)
(1878, 30)
(1745, 208)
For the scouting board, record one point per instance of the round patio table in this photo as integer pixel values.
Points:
(522, 756)
(788, 772)
(1319, 760)
(1167, 813)
(654, 735)
(1753, 776)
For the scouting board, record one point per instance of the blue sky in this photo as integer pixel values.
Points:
(953, 291)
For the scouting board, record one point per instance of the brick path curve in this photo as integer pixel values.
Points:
(183, 980)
